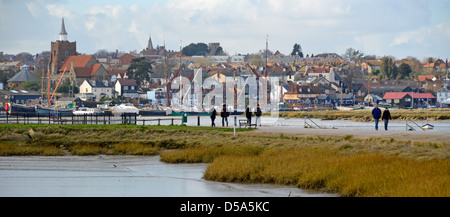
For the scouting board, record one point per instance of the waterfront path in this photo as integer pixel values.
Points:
(430, 135)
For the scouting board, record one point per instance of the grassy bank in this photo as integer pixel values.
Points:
(347, 165)
(366, 115)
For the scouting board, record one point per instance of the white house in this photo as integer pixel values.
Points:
(442, 96)
(95, 90)
(127, 88)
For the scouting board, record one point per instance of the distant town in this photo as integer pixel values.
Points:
(62, 76)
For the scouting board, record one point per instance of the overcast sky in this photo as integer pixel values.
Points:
(400, 28)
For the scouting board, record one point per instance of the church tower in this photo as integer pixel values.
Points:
(150, 44)
(60, 50)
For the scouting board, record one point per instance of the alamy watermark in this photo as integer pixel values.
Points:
(235, 92)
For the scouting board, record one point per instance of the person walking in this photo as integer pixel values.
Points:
(213, 117)
(386, 117)
(248, 114)
(258, 116)
(376, 113)
(224, 114)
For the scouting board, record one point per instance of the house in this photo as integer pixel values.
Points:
(95, 90)
(24, 97)
(23, 76)
(400, 99)
(372, 99)
(126, 88)
(371, 65)
(126, 59)
(423, 99)
(80, 68)
(443, 96)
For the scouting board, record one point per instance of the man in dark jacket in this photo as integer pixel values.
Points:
(386, 117)
(376, 113)
(224, 114)
(248, 114)
(213, 117)
(258, 115)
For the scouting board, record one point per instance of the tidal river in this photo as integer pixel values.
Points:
(122, 176)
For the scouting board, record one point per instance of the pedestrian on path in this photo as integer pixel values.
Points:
(213, 117)
(376, 113)
(386, 117)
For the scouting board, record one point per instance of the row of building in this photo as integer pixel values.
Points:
(323, 81)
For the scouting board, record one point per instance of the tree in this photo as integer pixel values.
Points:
(404, 71)
(31, 85)
(297, 50)
(353, 55)
(139, 70)
(199, 49)
(388, 69)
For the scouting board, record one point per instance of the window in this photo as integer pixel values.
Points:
(67, 53)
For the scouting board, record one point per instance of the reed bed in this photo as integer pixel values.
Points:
(206, 154)
(11, 149)
(362, 175)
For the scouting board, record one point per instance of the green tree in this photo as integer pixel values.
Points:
(65, 87)
(297, 50)
(388, 69)
(31, 85)
(199, 49)
(139, 70)
(404, 71)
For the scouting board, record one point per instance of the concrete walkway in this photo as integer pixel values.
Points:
(431, 136)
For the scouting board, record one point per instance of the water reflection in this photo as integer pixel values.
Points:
(122, 176)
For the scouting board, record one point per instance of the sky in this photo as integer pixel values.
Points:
(400, 28)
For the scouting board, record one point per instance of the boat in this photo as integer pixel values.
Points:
(427, 127)
(52, 110)
(145, 112)
(85, 111)
(22, 109)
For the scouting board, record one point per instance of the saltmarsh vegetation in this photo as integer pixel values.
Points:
(366, 115)
(347, 165)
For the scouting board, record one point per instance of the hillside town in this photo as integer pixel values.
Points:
(62, 76)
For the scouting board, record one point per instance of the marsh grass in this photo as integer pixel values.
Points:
(206, 154)
(11, 149)
(362, 175)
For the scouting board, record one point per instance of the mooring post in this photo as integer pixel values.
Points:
(198, 120)
(234, 128)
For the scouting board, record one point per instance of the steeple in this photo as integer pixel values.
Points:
(150, 45)
(63, 33)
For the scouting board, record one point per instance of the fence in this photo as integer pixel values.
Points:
(92, 119)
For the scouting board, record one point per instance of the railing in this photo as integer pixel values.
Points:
(310, 123)
(410, 126)
(92, 119)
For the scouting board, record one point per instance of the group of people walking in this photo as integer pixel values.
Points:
(225, 114)
(376, 113)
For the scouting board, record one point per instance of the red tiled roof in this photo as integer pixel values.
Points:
(421, 95)
(78, 61)
(394, 95)
(425, 77)
(400, 95)
(127, 82)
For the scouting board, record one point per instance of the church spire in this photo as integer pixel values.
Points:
(63, 33)
(150, 44)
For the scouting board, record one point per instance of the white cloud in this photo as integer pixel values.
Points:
(33, 8)
(59, 10)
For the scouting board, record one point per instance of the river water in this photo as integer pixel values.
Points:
(122, 176)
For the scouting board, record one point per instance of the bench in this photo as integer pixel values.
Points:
(243, 122)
